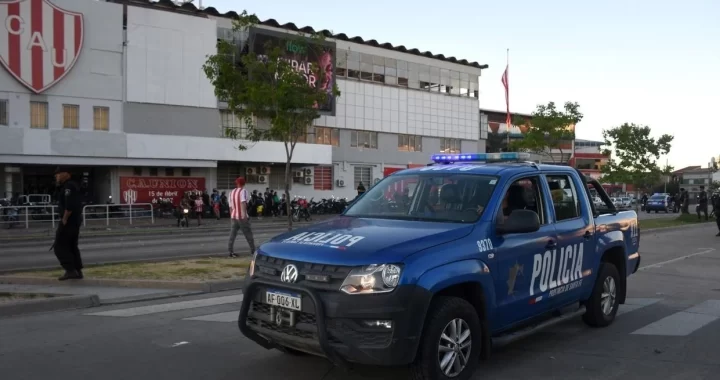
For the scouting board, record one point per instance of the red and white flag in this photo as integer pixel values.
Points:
(40, 42)
(506, 84)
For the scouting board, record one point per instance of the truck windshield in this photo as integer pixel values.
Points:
(432, 196)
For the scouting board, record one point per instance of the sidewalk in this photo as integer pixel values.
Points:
(145, 225)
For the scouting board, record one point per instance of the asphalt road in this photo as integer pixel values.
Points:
(33, 253)
(669, 329)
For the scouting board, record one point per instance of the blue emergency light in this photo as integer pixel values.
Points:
(481, 157)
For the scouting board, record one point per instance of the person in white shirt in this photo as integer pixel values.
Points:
(239, 219)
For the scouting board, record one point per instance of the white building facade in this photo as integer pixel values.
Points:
(116, 91)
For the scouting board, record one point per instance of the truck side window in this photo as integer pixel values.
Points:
(523, 194)
(564, 197)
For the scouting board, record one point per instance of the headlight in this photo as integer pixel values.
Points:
(372, 279)
(251, 271)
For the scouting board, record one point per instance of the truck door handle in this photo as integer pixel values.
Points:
(551, 244)
(587, 235)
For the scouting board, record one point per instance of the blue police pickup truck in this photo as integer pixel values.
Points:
(434, 266)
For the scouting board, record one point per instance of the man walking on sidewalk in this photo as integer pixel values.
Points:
(239, 217)
(68, 231)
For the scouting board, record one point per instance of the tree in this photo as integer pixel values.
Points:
(634, 155)
(548, 129)
(287, 93)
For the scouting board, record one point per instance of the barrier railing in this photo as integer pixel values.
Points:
(128, 212)
(27, 215)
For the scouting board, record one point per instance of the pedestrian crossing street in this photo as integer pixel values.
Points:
(659, 317)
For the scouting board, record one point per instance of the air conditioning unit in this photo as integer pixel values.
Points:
(264, 170)
(308, 172)
(308, 180)
(298, 174)
(340, 183)
(262, 179)
(250, 171)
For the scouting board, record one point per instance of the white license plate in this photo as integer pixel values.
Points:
(286, 300)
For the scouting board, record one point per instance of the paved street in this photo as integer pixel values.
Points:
(669, 329)
(33, 253)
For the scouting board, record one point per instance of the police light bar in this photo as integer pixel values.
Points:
(481, 157)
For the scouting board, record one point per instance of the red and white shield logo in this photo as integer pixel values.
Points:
(39, 42)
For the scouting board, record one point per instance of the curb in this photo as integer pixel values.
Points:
(204, 287)
(49, 304)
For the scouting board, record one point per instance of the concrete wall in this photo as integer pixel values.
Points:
(165, 54)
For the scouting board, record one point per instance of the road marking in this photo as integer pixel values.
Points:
(705, 250)
(230, 316)
(166, 307)
(631, 304)
(684, 322)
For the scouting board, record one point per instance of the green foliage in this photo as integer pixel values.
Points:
(634, 155)
(268, 88)
(548, 128)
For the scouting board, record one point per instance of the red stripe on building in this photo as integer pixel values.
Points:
(78, 34)
(36, 27)
(60, 55)
(14, 40)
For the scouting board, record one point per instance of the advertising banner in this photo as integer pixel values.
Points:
(154, 189)
(310, 59)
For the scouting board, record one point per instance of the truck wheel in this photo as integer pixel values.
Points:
(602, 306)
(451, 342)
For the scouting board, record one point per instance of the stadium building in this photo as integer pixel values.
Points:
(115, 90)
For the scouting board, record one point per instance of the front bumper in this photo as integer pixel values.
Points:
(330, 323)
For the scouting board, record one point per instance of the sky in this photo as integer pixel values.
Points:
(654, 63)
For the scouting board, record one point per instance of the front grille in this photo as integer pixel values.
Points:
(316, 276)
(339, 331)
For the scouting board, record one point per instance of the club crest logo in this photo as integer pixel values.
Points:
(39, 41)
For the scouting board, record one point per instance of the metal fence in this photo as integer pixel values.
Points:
(116, 212)
(27, 216)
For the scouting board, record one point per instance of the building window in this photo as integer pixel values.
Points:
(101, 118)
(363, 174)
(363, 139)
(323, 178)
(169, 172)
(38, 115)
(137, 171)
(449, 145)
(4, 112)
(325, 136)
(71, 116)
(231, 126)
(153, 172)
(276, 180)
(186, 172)
(409, 143)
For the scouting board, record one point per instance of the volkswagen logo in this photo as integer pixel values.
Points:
(289, 274)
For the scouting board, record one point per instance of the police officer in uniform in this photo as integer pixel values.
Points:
(702, 206)
(68, 232)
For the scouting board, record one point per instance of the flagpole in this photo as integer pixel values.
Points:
(507, 67)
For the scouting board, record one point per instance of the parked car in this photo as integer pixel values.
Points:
(436, 284)
(659, 202)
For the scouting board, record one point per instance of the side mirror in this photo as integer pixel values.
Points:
(519, 222)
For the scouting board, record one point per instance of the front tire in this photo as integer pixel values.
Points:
(451, 343)
(602, 306)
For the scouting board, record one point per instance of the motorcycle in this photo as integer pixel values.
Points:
(184, 220)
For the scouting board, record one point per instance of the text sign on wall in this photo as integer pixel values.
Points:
(155, 189)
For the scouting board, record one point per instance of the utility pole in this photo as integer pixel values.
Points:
(667, 176)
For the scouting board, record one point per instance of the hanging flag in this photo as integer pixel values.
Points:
(506, 84)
